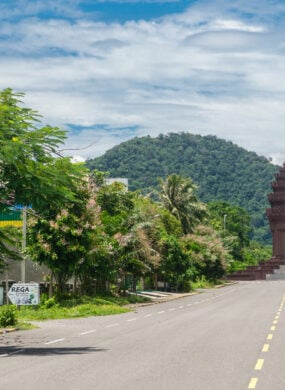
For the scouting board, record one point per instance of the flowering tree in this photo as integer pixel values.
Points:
(206, 252)
(64, 241)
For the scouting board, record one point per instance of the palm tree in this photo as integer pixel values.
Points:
(178, 196)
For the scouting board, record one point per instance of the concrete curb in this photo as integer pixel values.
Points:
(174, 296)
(162, 300)
(7, 330)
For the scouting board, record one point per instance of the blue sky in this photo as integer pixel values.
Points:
(110, 70)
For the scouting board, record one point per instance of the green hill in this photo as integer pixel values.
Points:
(221, 169)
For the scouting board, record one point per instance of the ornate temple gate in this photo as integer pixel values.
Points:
(276, 215)
(274, 267)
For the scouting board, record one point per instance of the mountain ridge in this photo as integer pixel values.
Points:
(222, 170)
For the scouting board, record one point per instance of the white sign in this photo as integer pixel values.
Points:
(24, 294)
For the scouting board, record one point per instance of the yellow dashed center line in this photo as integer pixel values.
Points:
(259, 364)
(265, 348)
(252, 383)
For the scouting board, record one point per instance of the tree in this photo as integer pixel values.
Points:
(117, 205)
(207, 254)
(64, 242)
(234, 225)
(136, 226)
(175, 269)
(126, 220)
(143, 250)
(178, 196)
(9, 245)
(30, 173)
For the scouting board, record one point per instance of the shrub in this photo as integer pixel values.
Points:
(48, 303)
(202, 282)
(7, 316)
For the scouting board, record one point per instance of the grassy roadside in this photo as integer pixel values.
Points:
(67, 307)
(74, 307)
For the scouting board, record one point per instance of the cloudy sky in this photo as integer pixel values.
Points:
(110, 70)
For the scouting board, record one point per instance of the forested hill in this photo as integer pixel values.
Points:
(221, 169)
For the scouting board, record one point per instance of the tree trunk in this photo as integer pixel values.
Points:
(134, 284)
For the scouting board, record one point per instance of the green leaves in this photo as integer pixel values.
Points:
(9, 239)
(30, 172)
(178, 195)
(234, 224)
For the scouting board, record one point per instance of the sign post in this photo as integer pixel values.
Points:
(24, 294)
(24, 243)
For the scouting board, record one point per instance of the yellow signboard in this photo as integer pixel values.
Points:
(11, 223)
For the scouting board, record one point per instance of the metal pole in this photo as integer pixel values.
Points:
(24, 244)
(6, 285)
(225, 217)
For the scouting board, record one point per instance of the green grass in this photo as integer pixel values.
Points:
(22, 325)
(58, 312)
(75, 307)
(204, 283)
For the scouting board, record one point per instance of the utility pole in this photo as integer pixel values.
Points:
(225, 217)
(24, 244)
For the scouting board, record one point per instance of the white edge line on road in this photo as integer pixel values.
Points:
(112, 325)
(12, 353)
(88, 332)
(132, 319)
(54, 341)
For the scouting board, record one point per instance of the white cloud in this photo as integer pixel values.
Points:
(210, 70)
(236, 25)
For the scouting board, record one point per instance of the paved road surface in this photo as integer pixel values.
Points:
(232, 338)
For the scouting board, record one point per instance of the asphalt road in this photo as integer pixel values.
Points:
(232, 338)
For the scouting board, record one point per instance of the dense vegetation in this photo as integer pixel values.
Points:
(101, 237)
(222, 170)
